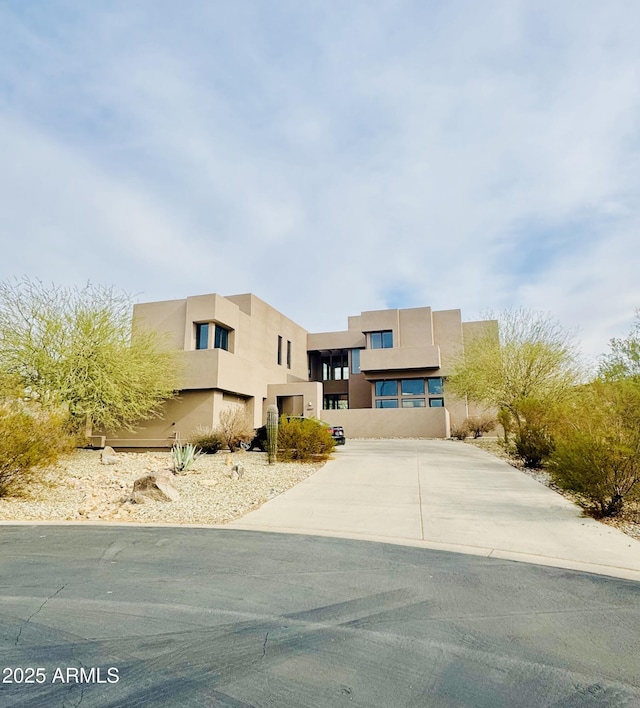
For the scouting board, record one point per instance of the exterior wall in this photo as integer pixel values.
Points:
(391, 423)
(310, 392)
(248, 375)
(179, 417)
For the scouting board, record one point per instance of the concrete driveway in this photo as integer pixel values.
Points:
(450, 496)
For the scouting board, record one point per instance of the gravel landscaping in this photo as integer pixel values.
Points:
(81, 488)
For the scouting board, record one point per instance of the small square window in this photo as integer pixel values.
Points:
(436, 403)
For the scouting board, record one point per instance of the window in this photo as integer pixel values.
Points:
(221, 338)
(279, 350)
(413, 403)
(412, 387)
(436, 403)
(335, 366)
(381, 340)
(335, 401)
(435, 386)
(202, 335)
(386, 388)
(355, 361)
(288, 354)
(387, 403)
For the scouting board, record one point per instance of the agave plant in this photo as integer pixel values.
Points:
(184, 456)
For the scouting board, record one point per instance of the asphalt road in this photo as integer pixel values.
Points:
(209, 617)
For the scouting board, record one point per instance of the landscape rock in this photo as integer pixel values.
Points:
(109, 456)
(157, 486)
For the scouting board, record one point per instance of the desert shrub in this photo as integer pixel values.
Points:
(597, 446)
(207, 440)
(478, 425)
(532, 444)
(460, 432)
(30, 439)
(303, 440)
(235, 427)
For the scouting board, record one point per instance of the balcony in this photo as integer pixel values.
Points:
(400, 358)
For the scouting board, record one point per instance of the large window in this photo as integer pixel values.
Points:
(412, 387)
(335, 366)
(335, 401)
(386, 388)
(381, 340)
(202, 335)
(408, 393)
(355, 361)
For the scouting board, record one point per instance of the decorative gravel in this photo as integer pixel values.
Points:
(80, 487)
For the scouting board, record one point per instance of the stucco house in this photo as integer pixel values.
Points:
(384, 376)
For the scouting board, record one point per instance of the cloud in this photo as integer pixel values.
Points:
(329, 159)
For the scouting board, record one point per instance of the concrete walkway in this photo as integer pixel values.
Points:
(446, 495)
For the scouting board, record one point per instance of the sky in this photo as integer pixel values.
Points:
(331, 157)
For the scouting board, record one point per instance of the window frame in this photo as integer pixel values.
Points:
(382, 339)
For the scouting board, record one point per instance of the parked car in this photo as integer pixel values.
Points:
(259, 441)
(337, 433)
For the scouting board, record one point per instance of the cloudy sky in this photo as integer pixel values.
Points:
(329, 156)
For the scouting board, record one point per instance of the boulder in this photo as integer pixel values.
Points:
(109, 457)
(157, 486)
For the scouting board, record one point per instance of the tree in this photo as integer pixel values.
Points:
(521, 368)
(623, 361)
(77, 347)
(597, 444)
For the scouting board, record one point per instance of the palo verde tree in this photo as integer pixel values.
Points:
(76, 347)
(623, 361)
(523, 368)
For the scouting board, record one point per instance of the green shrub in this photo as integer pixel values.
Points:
(207, 440)
(532, 444)
(597, 446)
(303, 440)
(30, 439)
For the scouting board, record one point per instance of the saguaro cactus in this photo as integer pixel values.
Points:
(272, 433)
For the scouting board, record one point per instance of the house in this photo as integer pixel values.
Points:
(384, 376)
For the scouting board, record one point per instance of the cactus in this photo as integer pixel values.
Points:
(272, 433)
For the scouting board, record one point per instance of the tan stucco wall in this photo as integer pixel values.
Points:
(310, 391)
(179, 418)
(391, 423)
